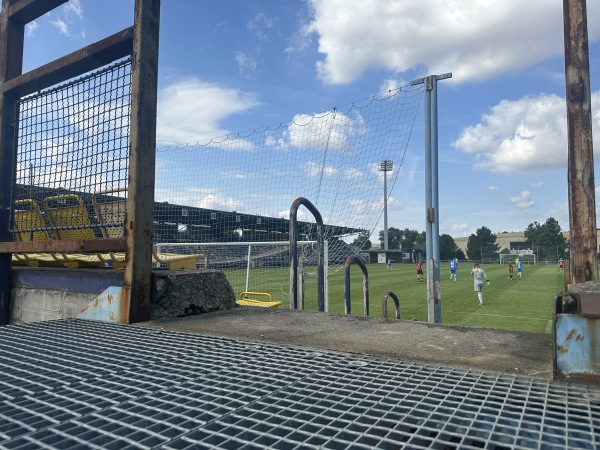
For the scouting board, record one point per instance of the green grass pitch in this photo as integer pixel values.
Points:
(521, 304)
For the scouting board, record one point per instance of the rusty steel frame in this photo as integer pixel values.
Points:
(384, 303)
(582, 201)
(139, 217)
(141, 42)
(353, 259)
(294, 253)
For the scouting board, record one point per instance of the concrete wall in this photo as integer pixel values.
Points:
(40, 294)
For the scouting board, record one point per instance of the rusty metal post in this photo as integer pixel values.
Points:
(11, 56)
(349, 260)
(137, 284)
(582, 202)
(294, 253)
(15, 15)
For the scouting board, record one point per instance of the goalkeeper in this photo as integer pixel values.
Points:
(478, 277)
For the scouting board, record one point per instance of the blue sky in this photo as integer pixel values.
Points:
(238, 65)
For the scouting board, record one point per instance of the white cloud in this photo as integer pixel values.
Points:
(199, 198)
(61, 26)
(353, 174)
(529, 134)
(73, 7)
(459, 228)
(259, 25)
(329, 130)
(492, 187)
(190, 110)
(31, 27)
(313, 169)
(523, 200)
(246, 64)
(475, 40)
(537, 184)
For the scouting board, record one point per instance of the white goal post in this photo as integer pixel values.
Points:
(516, 253)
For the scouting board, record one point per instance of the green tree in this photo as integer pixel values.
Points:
(413, 241)
(482, 245)
(547, 239)
(449, 249)
(407, 240)
(394, 238)
(362, 241)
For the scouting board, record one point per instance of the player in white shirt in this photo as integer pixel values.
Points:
(478, 276)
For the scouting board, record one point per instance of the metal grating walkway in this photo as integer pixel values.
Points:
(80, 384)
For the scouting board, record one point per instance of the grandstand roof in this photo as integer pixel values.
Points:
(182, 223)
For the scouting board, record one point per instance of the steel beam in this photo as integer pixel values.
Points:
(140, 199)
(582, 200)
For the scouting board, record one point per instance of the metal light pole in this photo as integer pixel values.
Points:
(385, 167)
(432, 232)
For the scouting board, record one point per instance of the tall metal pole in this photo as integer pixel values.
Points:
(582, 201)
(385, 219)
(385, 167)
(432, 232)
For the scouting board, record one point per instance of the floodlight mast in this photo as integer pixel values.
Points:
(432, 233)
(385, 167)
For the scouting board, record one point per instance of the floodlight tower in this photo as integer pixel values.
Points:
(385, 167)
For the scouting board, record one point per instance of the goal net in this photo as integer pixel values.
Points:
(239, 188)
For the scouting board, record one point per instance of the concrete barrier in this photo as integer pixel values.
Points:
(40, 294)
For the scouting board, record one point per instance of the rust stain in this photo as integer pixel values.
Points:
(571, 335)
(110, 298)
(123, 304)
(562, 349)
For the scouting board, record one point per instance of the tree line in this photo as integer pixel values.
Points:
(546, 239)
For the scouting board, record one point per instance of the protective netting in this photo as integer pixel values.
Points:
(72, 142)
(72, 154)
(249, 180)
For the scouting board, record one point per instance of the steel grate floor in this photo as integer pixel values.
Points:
(83, 384)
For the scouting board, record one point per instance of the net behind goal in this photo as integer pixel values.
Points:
(240, 187)
(257, 266)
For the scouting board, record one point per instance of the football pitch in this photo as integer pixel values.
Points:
(523, 304)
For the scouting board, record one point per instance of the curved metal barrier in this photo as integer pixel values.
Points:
(384, 303)
(294, 253)
(349, 260)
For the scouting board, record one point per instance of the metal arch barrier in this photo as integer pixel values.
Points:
(349, 260)
(294, 253)
(384, 303)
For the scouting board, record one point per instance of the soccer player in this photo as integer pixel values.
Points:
(478, 276)
(420, 271)
(389, 266)
(511, 269)
(561, 265)
(453, 264)
(519, 268)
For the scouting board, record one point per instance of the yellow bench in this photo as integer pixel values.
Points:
(245, 300)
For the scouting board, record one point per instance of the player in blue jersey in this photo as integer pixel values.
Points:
(453, 267)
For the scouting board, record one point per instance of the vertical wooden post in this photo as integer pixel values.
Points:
(140, 199)
(582, 201)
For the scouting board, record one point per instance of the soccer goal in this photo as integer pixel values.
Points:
(525, 255)
(259, 266)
